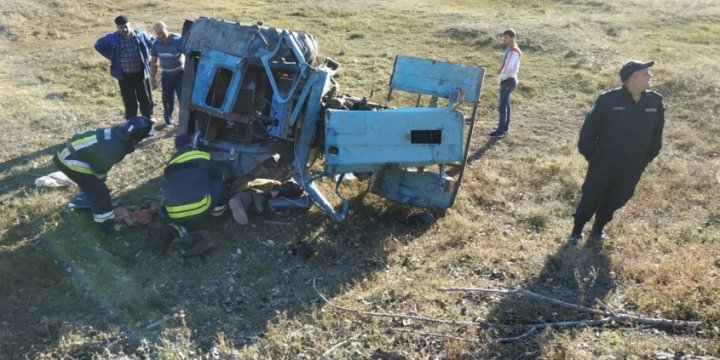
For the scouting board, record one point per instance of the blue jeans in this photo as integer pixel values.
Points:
(506, 89)
(171, 87)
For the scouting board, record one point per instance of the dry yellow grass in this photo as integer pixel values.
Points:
(66, 295)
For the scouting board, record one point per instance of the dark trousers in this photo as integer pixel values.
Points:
(135, 89)
(171, 88)
(606, 189)
(219, 196)
(506, 89)
(95, 189)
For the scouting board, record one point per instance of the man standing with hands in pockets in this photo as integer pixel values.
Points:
(167, 50)
(508, 79)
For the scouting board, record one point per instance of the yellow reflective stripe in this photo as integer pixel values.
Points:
(195, 208)
(74, 165)
(84, 142)
(190, 155)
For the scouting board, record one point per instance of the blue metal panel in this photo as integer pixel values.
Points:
(357, 141)
(279, 111)
(436, 78)
(205, 74)
(426, 189)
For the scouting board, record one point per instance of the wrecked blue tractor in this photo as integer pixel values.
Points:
(261, 102)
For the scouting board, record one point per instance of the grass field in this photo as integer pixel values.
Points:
(67, 295)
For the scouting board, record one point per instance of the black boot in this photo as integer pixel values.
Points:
(576, 233)
(160, 236)
(597, 232)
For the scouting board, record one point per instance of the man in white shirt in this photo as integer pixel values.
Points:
(508, 81)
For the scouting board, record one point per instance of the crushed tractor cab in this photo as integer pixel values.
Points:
(259, 100)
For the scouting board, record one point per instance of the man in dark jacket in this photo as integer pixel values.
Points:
(87, 157)
(194, 187)
(128, 50)
(621, 135)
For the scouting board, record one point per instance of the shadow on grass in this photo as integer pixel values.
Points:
(39, 296)
(479, 153)
(13, 181)
(25, 158)
(81, 287)
(579, 275)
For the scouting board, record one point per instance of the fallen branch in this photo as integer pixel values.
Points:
(430, 334)
(610, 317)
(330, 351)
(512, 291)
(448, 336)
(519, 337)
(398, 316)
(639, 320)
(160, 321)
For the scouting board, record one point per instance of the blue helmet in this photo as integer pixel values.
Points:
(137, 128)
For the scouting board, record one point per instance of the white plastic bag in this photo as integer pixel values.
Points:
(56, 179)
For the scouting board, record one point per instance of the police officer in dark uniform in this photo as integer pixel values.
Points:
(621, 135)
(87, 157)
(194, 187)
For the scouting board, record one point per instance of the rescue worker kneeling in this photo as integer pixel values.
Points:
(194, 188)
(87, 158)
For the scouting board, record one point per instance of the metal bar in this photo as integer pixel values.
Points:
(187, 87)
(468, 141)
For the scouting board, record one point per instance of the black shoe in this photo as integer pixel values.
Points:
(302, 250)
(194, 244)
(597, 236)
(574, 238)
(498, 134)
(161, 236)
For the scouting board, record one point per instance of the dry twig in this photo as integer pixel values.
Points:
(610, 317)
(398, 316)
(512, 291)
(519, 337)
(430, 334)
(330, 351)
(448, 336)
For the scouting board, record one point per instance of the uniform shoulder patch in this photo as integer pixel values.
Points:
(610, 92)
(655, 95)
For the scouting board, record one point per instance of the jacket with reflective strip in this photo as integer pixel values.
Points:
(187, 183)
(95, 152)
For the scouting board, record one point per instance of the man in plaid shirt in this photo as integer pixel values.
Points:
(128, 50)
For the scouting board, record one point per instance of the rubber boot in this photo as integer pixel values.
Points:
(597, 232)
(576, 233)
(258, 202)
(238, 204)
